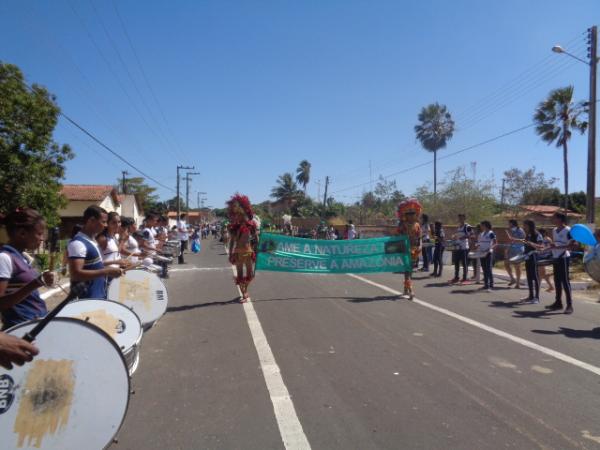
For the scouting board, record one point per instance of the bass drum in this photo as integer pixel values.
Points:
(591, 264)
(73, 395)
(115, 319)
(143, 292)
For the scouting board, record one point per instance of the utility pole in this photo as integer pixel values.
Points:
(325, 196)
(123, 185)
(200, 200)
(502, 193)
(188, 179)
(318, 182)
(178, 199)
(370, 177)
(591, 175)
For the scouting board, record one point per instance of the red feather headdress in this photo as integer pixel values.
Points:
(410, 205)
(244, 203)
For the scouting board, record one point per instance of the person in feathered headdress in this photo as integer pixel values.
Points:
(243, 239)
(408, 214)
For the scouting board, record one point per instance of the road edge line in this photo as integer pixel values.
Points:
(503, 334)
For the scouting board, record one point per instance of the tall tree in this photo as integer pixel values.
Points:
(522, 186)
(32, 164)
(303, 174)
(555, 117)
(144, 193)
(286, 189)
(434, 130)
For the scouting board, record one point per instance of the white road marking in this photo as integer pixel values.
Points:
(199, 269)
(503, 334)
(290, 428)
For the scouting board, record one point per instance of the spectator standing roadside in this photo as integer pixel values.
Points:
(427, 249)
(516, 235)
(182, 230)
(461, 256)
(438, 252)
(351, 231)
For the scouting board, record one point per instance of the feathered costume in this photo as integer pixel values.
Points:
(242, 240)
(408, 214)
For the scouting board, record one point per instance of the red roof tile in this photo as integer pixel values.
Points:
(87, 192)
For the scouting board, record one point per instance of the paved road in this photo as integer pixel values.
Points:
(363, 368)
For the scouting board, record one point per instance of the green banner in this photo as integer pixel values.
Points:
(290, 254)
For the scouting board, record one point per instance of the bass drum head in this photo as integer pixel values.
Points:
(73, 395)
(115, 319)
(141, 291)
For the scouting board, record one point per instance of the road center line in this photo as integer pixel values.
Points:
(290, 428)
(524, 342)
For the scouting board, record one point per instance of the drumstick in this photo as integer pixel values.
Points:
(77, 289)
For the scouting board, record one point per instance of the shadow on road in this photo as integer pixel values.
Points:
(594, 333)
(501, 304)
(235, 301)
(380, 298)
(541, 314)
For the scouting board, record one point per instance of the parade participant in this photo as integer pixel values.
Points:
(473, 240)
(182, 229)
(561, 235)
(129, 247)
(408, 214)
(533, 242)
(20, 300)
(438, 252)
(427, 251)
(486, 243)
(14, 350)
(351, 230)
(243, 235)
(545, 252)
(515, 235)
(108, 241)
(461, 256)
(85, 258)
(149, 232)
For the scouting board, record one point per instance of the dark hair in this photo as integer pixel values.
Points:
(560, 216)
(151, 216)
(76, 229)
(462, 215)
(438, 224)
(487, 224)
(22, 218)
(163, 219)
(182, 216)
(424, 218)
(93, 212)
(112, 215)
(126, 222)
(530, 224)
(543, 232)
(513, 222)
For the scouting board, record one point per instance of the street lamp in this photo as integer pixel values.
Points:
(591, 169)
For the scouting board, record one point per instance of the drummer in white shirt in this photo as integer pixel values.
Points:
(486, 244)
(561, 235)
(184, 235)
(108, 241)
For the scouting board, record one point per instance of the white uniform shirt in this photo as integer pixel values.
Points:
(485, 240)
(351, 232)
(561, 238)
(76, 249)
(182, 230)
(462, 235)
(111, 253)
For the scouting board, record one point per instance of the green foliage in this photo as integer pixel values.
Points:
(459, 194)
(555, 118)
(286, 189)
(32, 164)
(303, 174)
(144, 193)
(435, 127)
(526, 186)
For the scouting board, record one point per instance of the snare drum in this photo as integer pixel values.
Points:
(73, 395)
(518, 259)
(452, 245)
(115, 319)
(143, 292)
(477, 254)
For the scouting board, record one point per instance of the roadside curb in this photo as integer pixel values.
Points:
(46, 295)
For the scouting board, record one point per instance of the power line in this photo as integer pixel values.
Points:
(487, 141)
(146, 80)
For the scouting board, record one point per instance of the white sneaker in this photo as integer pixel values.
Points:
(533, 301)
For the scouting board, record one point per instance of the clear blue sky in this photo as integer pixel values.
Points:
(249, 88)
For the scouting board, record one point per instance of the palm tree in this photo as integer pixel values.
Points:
(434, 130)
(286, 189)
(554, 119)
(303, 174)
